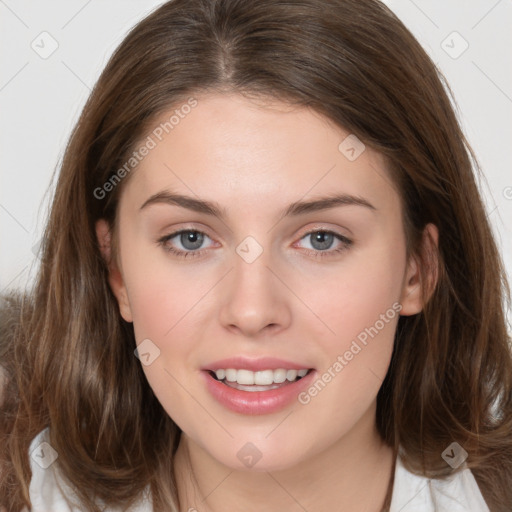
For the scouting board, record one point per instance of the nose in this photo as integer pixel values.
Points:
(255, 300)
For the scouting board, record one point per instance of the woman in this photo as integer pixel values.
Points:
(369, 369)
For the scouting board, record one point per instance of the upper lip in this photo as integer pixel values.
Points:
(262, 363)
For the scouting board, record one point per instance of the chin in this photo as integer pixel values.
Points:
(258, 456)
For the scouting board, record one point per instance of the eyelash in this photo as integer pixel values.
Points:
(346, 243)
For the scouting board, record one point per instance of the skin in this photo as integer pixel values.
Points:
(254, 159)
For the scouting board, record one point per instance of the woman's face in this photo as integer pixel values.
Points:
(269, 275)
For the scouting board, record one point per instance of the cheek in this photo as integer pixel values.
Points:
(162, 305)
(155, 307)
(353, 297)
(355, 360)
(168, 305)
(361, 309)
(161, 292)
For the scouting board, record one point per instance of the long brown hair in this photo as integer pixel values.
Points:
(355, 62)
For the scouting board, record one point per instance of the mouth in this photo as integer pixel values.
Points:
(264, 391)
(262, 380)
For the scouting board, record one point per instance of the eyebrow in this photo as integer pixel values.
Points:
(294, 209)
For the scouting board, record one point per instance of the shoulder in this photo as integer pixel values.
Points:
(458, 492)
(48, 490)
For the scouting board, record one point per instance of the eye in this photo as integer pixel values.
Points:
(321, 240)
(190, 240)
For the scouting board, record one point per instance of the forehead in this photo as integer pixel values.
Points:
(241, 151)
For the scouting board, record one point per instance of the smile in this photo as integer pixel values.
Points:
(249, 379)
(260, 392)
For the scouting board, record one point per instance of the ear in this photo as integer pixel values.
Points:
(115, 277)
(411, 297)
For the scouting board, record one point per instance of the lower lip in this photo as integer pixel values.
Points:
(256, 402)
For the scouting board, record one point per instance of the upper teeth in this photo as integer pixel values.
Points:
(261, 378)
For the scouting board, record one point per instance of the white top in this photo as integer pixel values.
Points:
(411, 493)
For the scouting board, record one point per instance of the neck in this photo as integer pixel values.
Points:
(352, 474)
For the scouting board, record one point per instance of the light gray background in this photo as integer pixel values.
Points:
(41, 98)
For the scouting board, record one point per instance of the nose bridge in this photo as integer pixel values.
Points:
(252, 263)
(254, 299)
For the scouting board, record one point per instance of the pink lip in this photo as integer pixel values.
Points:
(263, 363)
(256, 402)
